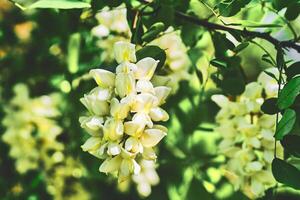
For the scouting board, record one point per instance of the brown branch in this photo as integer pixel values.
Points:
(246, 33)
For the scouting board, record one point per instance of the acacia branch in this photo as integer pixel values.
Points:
(246, 33)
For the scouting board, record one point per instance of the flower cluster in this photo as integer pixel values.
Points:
(31, 133)
(122, 109)
(113, 27)
(177, 60)
(247, 136)
(30, 130)
(146, 178)
(69, 170)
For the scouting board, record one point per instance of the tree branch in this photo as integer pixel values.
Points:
(265, 36)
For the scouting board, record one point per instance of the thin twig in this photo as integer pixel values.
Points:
(244, 32)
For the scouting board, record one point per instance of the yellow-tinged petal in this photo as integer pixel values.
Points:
(220, 100)
(152, 137)
(124, 51)
(145, 68)
(149, 154)
(143, 119)
(133, 145)
(113, 129)
(95, 106)
(91, 144)
(133, 128)
(119, 110)
(103, 77)
(144, 86)
(162, 92)
(158, 114)
(93, 125)
(143, 102)
(126, 67)
(113, 148)
(111, 164)
(125, 84)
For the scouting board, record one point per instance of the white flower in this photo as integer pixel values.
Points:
(122, 112)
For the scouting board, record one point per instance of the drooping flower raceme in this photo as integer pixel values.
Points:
(113, 27)
(123, 110)
(247, 136)
(30, 130)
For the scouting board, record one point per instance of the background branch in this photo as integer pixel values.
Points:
(244, 32)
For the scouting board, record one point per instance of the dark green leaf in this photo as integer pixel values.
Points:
(267, 59)
(233, 86)
(190, 34)
(153, 31)
(280, 4)
(59, 4)
(292, 11)
(199, 75)
(271, 75)
(291, 144)
(229, 8)
(241, 47)
(289, 93)
(286, 124)
(269, 106)
(286, 173)
(218, 63)
(293, 70)
(154, 52)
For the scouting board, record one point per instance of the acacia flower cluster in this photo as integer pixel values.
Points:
(122, 111)
(247, 136)
(30, 130)
(113, 27)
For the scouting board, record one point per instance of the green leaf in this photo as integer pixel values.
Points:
(286, 124)
(153, 31)
(289, 93)
(241, 47)
(280, 4)
(291, 144)
(218, 63)
(233, 86)
(293, 70)
(229, 8)
(286, 173)
(154, 52)
(73, 52)
(269, 106)
(59, 4)
(292, 11)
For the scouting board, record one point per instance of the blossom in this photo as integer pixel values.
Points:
(247, 137)
(113, 27)
(123, 110)
(30, 129)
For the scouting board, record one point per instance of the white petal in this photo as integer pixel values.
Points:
(152, 137)
(220, 100)
(158, 114)
(103, 77)
(113, 149)
(91, 144)
(133, 128)
(162, 92)
(144, 86)
(124, 51)
(125, 84)
(119, 110)
(111, 164)
(145, 68)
